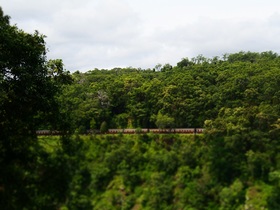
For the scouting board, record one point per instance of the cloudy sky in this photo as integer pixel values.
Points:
(89, 34)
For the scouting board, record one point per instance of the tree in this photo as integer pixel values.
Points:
(166, 67)
(158, 67)
(164, 121)
(184, 62)
(103, 127)
(27, 96)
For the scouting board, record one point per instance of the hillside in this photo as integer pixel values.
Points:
(187, 95)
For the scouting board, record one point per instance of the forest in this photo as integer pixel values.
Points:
(234, 164)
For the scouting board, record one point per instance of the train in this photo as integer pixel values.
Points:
(156, 130)
(48, 133)
(132, 131)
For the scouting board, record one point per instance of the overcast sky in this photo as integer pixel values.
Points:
(89, 34)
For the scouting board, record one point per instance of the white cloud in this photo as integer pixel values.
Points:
(109, 33)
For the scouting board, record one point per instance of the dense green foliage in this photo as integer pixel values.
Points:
(29, 85)
(185, 95)
(164, 172)
(234, 165)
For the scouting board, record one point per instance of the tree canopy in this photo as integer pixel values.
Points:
(190, 94)
(28, 99)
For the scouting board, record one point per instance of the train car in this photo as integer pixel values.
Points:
(143, 130)
(129, 131)
(47, 132)
(154, 130)
(115, 131)
(43, 132)
(185, 130)
(199, 130)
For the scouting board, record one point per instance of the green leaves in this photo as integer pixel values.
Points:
(164, 121)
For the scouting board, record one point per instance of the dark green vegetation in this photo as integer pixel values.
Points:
(234, 165)
(29, 88)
